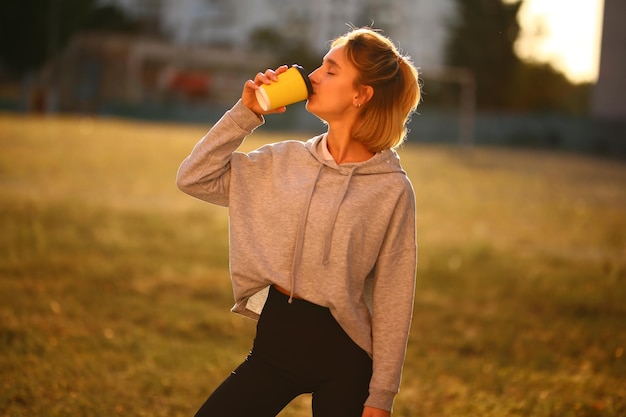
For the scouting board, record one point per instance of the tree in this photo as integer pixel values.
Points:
(482, 39)
(285, 51)
(33, 31)
(540, 87)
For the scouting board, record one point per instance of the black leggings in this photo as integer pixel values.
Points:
(299, 348)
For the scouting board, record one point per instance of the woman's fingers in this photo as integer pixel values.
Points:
(261, 78)
(270, 75)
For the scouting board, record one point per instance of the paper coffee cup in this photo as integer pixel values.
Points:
(292, 86)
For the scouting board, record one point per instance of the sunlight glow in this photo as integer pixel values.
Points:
(565, 33)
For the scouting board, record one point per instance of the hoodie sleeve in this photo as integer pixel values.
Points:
(393, 296)
(205, 173)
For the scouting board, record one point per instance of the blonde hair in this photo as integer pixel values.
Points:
(382, 121)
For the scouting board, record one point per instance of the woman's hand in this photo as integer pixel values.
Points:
(248, 96)
(375, 412)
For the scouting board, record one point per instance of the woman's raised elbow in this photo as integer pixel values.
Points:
(185, 183)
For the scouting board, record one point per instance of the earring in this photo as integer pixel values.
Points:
(358, 105)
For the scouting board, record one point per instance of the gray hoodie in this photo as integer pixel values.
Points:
(340, 236)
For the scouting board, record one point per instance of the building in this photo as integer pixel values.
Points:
(204, 52)
(609, 92)
(418, 26)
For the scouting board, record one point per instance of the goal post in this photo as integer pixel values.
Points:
(466, 81)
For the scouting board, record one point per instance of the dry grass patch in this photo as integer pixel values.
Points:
(114, 291)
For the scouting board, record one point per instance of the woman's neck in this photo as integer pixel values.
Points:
(344, 149)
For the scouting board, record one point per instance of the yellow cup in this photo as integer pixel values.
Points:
(292, 86)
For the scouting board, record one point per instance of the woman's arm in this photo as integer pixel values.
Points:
(393, 294)
(205, 173)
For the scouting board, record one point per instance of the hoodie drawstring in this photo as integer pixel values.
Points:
(297, 254)
(330, 227)
(333, 217)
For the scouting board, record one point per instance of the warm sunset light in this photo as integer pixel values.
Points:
(565, 33)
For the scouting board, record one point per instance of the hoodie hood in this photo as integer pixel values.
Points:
(383, 162)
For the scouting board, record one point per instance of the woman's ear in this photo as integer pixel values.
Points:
(365, 94)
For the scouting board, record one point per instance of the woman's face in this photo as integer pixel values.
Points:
(334, 91)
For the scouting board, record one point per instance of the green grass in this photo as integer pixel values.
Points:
(115, 297)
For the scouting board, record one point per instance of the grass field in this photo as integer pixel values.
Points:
(115, 296)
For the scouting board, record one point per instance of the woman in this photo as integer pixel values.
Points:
(322, 237)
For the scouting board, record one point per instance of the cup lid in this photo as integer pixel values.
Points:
(305, 77)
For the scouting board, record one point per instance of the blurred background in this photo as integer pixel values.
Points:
(114, 286)
(499, 72)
